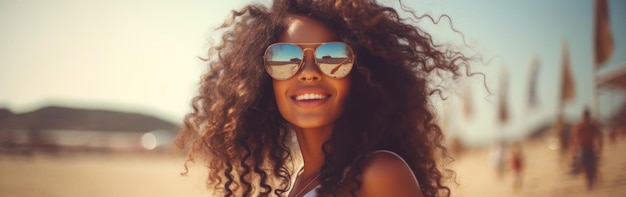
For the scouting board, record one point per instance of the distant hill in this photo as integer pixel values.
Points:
(65, 118)
(5, 113)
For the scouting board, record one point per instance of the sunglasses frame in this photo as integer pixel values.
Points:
(304, 49)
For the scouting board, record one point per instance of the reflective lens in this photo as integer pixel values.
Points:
(334, 59)
(283, 60)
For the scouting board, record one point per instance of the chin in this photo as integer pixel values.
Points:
(311, 124)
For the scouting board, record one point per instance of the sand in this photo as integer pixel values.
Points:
(97, 176)
(158, 176)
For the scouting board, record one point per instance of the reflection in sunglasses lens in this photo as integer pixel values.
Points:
(282, 60)
(334, 59)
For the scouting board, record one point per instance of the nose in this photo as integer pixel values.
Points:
(309, 72)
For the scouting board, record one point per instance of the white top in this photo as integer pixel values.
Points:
(312, 192)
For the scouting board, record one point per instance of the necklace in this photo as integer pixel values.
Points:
(307, 185)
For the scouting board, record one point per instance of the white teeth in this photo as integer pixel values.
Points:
(310, 96)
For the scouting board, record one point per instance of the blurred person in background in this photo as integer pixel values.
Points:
(615, 132)
(517, 165)
(498, 154)
(586, 146)
(564, 135)
(349, 80)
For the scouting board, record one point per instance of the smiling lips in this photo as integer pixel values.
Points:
(310, 98)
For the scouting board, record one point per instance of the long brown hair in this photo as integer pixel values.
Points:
(235, 126)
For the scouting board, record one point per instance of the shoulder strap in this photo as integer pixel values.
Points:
(397, 156)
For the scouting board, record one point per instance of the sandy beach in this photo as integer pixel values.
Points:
(158, 176)
(544, 174)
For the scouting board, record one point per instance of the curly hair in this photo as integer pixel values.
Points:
(236, 128)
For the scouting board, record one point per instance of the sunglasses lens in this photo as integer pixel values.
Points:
(334, 59)
(282, 61)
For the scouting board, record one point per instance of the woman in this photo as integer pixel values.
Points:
(348, 79)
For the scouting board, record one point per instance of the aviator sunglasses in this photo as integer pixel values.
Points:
(284, 60)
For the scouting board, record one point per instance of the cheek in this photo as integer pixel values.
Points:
(280, 89)
(343, 88)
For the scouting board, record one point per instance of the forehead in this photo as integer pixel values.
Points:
(302, 29)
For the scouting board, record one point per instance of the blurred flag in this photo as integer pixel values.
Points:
(534, 73)
(603, 39)
(443, 121)
(468, 108)
(567, 84)
(503, 111)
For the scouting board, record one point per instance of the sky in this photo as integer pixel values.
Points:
(142, 56)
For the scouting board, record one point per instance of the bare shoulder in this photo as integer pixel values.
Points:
(387, 174)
